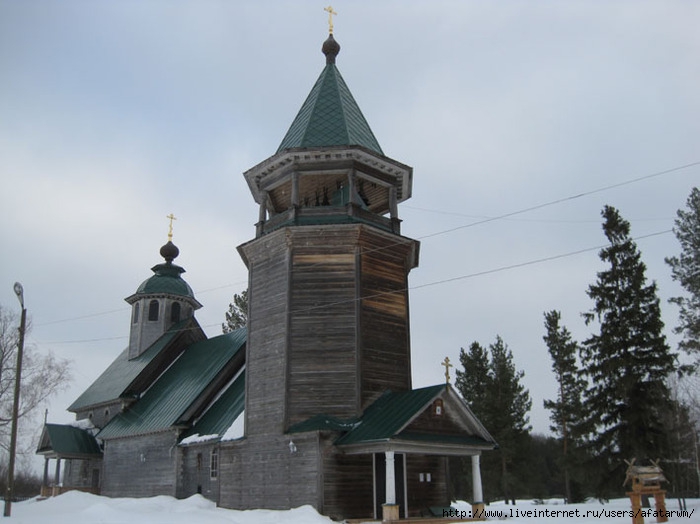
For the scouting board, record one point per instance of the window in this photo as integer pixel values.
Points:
(175, 312)
(137, 310)
(214, 464)
(438, 408)
(153, 310)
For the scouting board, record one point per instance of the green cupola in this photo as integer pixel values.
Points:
(159, 302)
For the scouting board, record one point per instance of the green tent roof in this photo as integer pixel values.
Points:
(68, 441)
(330, 117)
(176, 389)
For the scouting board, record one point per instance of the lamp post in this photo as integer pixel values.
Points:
(19, 291)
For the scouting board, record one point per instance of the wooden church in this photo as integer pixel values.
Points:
(312, 403)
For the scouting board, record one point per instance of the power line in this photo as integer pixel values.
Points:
(450, 230)
(420, 286)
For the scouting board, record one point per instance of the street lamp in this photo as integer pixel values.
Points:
(19, 291)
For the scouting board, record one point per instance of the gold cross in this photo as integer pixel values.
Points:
(330, 12)
(447, 365)
(170, 229)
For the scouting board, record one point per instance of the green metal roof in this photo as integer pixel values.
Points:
(222, 413)
(167, 280)
(386, 416)
(330, 117)
(323, 423)
(112, 383)
(68, 441)
(176, 389)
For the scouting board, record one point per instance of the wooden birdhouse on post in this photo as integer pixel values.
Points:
(646, 480)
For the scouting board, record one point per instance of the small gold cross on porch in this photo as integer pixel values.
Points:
(447, 365)
(330, 12)
(170, 229)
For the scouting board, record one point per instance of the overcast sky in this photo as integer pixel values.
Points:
(114, 114)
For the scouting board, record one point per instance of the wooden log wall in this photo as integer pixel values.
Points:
(323, 361)
(266, 348)
(385, 348)
(348, 489)
(141, 466)
(263, 472)
(194, 471)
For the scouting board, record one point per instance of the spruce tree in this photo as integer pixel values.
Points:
(510, 405)
(567, 409)
(473, 380)
(492, 387)
(627, 362)
(237, 314)
(685, 269)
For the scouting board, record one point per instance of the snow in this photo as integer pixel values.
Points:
(192, 439)
(237, 429)
(76, 507)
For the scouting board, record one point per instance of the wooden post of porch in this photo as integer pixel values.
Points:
(478, 494)
(390, 509)
(57, 474)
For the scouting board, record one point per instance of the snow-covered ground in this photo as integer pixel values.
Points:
(82, 508)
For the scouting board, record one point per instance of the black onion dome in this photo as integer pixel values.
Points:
(330, 48)
(169, 252)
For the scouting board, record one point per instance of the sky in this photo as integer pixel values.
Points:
(521, 120)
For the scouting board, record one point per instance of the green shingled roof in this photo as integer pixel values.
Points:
(68, 441)
(176, 389)
(166, 280)
(112, 383)
(330, 117)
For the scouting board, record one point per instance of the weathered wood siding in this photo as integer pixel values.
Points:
(194, 471)
(82, 473)
(262, 472)
(142, 466)
(385, 352)
(422, 495)
(266, 348)
(348, 489)
(445, 424)
(323, 361)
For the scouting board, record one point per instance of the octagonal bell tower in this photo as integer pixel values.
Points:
(328, 327)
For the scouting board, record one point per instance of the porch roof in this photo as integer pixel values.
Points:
(64, 441)
(386, 425)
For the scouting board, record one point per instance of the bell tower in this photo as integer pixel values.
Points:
(328, 325)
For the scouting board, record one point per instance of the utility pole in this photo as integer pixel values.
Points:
(19, 291)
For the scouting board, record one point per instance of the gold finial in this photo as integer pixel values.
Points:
(447, 365)
(330, 12)
(170, 229)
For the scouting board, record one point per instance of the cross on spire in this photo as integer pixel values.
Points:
(447, 365)
(170, 228)
(330, 12)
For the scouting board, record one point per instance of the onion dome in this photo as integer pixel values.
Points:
(167, 279)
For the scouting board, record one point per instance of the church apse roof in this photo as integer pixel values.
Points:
(167, 401)
(330, 116)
